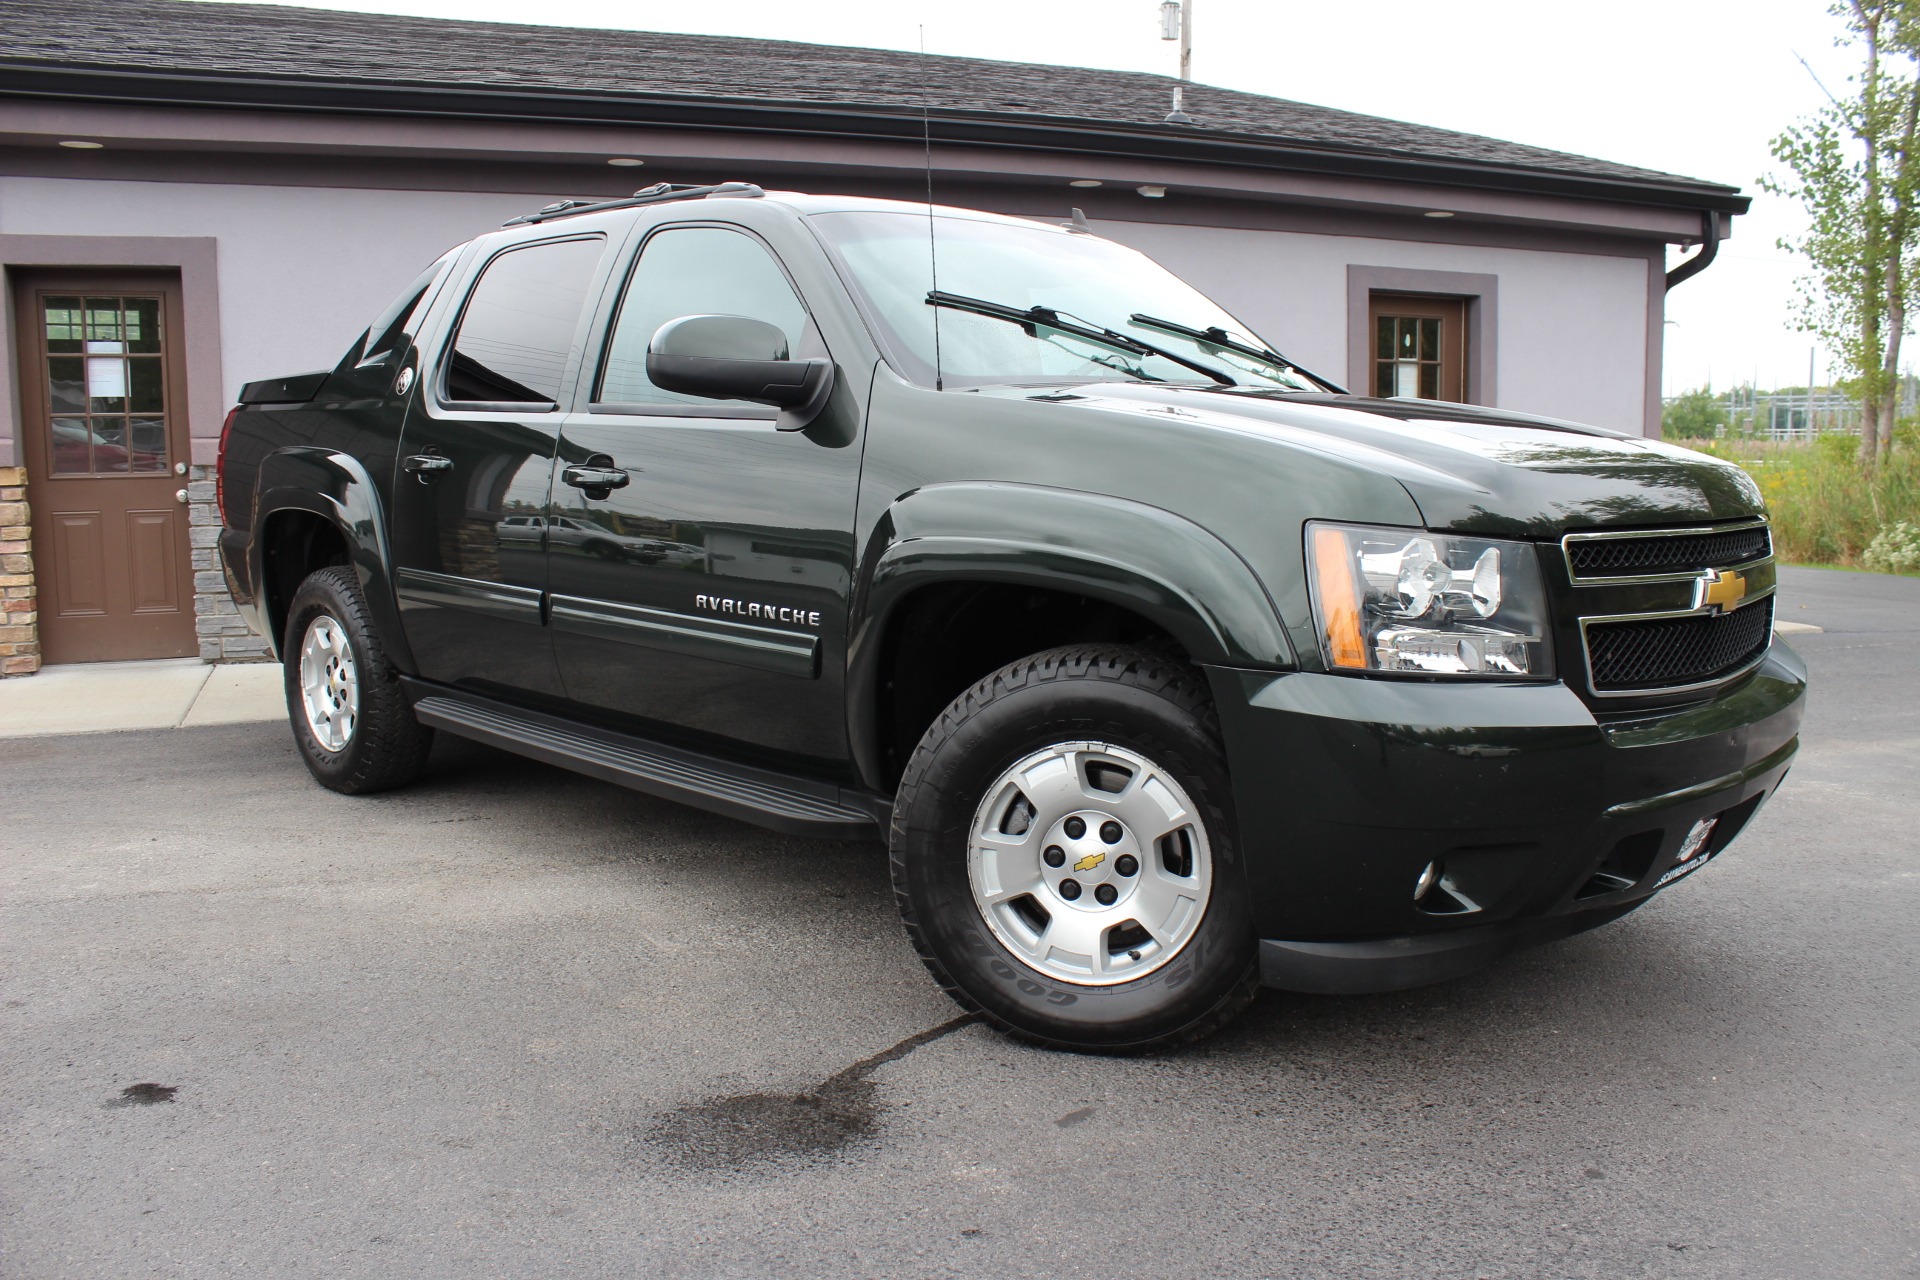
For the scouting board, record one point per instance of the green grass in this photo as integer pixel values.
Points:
(1825, 507)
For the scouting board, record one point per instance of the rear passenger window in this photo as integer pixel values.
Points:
(517, 334)
(692, 271)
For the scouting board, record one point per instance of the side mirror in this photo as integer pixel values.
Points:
(738, 358)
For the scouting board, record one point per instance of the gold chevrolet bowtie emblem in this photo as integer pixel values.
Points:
(1089, 862)
(1723, 589)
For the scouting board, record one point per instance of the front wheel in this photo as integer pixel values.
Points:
(353, 725)
(1064, 855)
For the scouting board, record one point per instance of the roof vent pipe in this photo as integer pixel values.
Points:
(1709, 246)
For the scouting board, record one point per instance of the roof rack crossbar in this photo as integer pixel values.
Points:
(655, 194)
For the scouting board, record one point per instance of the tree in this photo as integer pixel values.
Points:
(1692, 415)
(1852, 166)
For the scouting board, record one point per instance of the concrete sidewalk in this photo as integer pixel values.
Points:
(96, 697)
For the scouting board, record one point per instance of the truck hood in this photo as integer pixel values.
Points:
(1467, 468)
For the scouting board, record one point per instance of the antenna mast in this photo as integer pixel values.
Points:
(933, 252)
(1176, 23)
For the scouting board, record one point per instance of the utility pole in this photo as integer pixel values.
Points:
(1186, 41)
(1810, 351)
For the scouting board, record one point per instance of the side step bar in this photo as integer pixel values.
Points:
(795, 806)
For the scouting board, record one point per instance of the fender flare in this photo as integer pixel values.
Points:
(1142, 558)
(338, 488)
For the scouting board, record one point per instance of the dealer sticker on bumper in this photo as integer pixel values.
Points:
(1690, 859)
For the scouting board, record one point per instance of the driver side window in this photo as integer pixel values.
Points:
(688, 271)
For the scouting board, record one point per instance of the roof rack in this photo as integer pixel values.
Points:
(655, 194)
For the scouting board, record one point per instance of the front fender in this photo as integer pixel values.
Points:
(336, 487)
(1159, 565)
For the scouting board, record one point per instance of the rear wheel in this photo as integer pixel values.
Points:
(1063, 853)
(352, 723)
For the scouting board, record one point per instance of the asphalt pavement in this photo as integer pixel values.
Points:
(513, 1022)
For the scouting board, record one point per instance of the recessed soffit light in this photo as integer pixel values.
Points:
(625, 162)
(1086, 182)
(1439, 213)
(80, 144)
(1152, 191)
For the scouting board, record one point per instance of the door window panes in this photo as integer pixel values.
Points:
(1410, 357)
(516, 336)
(692, 271)
(106, 359)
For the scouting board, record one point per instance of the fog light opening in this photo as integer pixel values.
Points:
(1436, 893)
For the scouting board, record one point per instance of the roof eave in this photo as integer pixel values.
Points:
(1188, 143)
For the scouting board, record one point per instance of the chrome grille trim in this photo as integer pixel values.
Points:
(1586, 650)
(1571, 540)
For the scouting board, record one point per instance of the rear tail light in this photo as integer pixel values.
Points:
(220, 467)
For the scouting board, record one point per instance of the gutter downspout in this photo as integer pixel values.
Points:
(1709, 247)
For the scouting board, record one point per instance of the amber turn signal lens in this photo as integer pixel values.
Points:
(1339, 599)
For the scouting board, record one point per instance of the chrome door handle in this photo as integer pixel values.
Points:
(597, 477)
(427, 464)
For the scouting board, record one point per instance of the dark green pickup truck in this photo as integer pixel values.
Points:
(1165, 667)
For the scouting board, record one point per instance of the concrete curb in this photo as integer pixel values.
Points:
(105, 697)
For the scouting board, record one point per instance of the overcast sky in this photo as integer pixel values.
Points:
(1695, 87)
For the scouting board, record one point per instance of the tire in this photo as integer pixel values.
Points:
(1068, 725)
(362, 736)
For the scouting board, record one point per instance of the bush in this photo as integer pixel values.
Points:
(1692, 415)
(1895, 549)
(1825, 508)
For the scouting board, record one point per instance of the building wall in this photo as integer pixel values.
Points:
(1572, 327)
(302, 269)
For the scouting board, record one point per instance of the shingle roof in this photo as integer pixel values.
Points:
(172, 37)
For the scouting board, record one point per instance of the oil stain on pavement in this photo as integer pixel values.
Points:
(747, 1130)
(144, 1094)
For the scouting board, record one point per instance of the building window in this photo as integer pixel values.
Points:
(106, 383)
(1419, 347)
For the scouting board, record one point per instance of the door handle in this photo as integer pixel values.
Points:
(596, 478)
(427, 464)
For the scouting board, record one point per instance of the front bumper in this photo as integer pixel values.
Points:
(1547, 819)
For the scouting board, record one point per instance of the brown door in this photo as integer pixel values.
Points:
(1419, 346)
(104, 424)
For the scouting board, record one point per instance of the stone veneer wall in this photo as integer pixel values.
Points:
(20, 621)
(223, 636)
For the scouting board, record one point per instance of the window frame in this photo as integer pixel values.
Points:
(589, 310)
(1480, 292)
(720, 410)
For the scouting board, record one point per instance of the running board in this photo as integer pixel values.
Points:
(795, 806)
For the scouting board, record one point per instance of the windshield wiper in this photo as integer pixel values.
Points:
(1028, 317)
(1218, 337)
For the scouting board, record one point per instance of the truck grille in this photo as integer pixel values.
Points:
(1642, 556)
(1648, 654)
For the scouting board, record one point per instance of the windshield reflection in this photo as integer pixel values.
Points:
(891, 261)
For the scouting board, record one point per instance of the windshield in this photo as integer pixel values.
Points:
(1097, 283)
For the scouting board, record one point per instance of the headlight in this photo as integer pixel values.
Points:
(1434, 604)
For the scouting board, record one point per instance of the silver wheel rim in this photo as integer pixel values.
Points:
(329, 683)
(1129, 889)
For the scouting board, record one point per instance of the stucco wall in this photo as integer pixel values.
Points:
(1572, 327)
(302, 269)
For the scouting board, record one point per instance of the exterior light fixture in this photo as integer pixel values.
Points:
(1439, 213)
(1151, 191)
(1085, 182)
(625, 162)
(80, 145)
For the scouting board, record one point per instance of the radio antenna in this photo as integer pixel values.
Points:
(933, 253)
